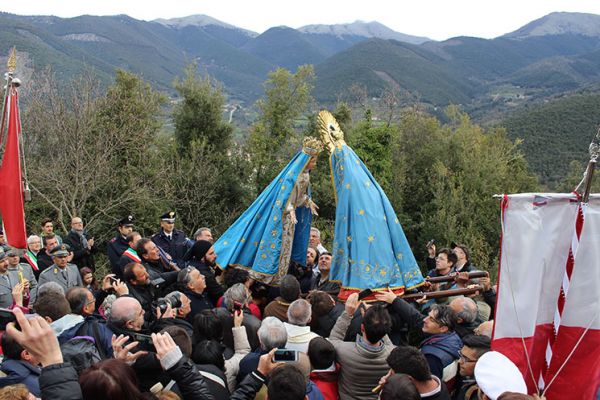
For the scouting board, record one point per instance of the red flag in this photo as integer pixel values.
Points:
(11, 189)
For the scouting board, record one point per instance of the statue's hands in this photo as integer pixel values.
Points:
(293, 217)
(313, 207)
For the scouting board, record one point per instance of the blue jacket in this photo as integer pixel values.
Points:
(440, 351)
(18, 371)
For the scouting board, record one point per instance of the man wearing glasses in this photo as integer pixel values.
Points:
(441, 344)
(61, 272)
(474, 347)
(173, 241)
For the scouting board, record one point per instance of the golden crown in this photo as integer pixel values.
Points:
(312, 146)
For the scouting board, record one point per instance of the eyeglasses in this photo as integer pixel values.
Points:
(465, 358)
(187, 270)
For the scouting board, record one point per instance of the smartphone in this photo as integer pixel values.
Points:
(7, 316)
(237, 306)
(365, 293)
(143, 339)
(285, 355)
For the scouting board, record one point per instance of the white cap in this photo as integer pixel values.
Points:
(496, 374)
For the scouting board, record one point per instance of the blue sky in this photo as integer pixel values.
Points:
(436, 19)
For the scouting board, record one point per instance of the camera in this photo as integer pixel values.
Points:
(157, 283)
(173, 299)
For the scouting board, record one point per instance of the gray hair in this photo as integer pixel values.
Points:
(50, 287)
(299, 312)
(200, 232)
(236, 293)
(468, 309)
(272, 334)
(122, 311)
(313, 229)
(31, 238)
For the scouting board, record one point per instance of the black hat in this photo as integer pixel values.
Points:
(127, 221)
(60, 250)
(168, 216)
(198, 250)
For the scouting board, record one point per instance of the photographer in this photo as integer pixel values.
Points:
(180, 304)
(144, 286)
(127, 322)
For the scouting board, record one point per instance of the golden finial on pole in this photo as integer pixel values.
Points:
(11, 64)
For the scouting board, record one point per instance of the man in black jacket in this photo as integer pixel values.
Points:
(325, 312)
(82, 245)
(43, 258)
(153, 259)
(202, 257)
(193, 285)
(173, 241)
(118, 244)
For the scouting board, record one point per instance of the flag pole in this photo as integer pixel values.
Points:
(11, 66)
(588, 175)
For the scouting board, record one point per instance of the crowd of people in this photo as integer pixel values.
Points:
(169, 323)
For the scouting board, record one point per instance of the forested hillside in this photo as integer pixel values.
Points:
(556, 133)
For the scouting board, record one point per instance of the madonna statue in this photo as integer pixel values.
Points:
(275, 229)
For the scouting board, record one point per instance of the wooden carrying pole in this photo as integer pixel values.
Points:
(443, 293)
(450, 277)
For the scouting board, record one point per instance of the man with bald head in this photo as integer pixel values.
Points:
(465, 309)
(127, 318)
(126, 314)
(82, 245)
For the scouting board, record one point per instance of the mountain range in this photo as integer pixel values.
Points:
(554, 54)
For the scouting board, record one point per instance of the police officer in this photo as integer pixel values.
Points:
(61, 272)
(21, 272)
(6, 285)
(173, 241)
(118, 244)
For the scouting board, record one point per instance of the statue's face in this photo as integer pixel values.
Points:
(311, 164)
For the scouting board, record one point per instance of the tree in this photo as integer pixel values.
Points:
(204, 157)
(273, 137)
(476, 165)
(372, 143)
(199, 115)
(90, 153)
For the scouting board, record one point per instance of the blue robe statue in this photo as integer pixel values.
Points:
(370, 250)
(275, 229)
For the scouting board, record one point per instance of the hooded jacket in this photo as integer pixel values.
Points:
(18, 371)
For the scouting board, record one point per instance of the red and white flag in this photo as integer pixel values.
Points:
(554, 341)
(11, 186)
